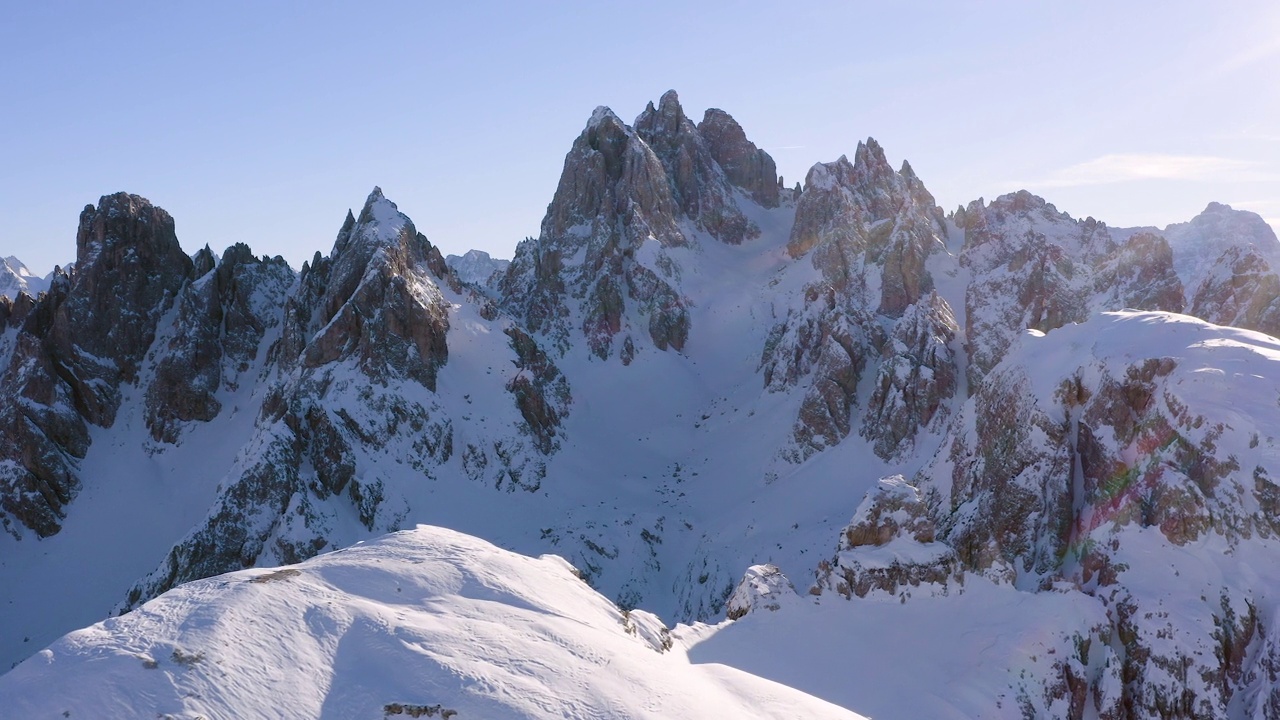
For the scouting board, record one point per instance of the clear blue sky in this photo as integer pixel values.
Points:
(263, 122)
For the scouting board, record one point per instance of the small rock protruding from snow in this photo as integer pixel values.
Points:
(889, 547)
(762, 587)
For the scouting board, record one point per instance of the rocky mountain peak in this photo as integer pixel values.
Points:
(375, 296)
(869, 159)
(79, 343)
(861, 215)
(203, 261)
(129, 265)
(1199, 243)
(611, 178)
(698, 184)
(667, 118)
(745, 165)
(669, 106)
(622, 187)
(380, 222)
(477, 268)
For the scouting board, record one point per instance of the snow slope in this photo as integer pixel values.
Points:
(426, 621)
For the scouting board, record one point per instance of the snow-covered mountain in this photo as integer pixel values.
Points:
(690, 372)
(476, 267)
(16, 278)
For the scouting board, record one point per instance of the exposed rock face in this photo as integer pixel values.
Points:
(540, 390)
(1009, 471)
(826, 346)
(1029, 267)
(1080, 440)
(626, 200)
(76, 346)
(1241, 289)
(129, 267)
(699, 185)
(379, 302)
(353, 382)
(745, 165)
(889, 548)
(868, 225)
(1139, 275)
(869, 231)
(218, 332)
(613, 197)
(917, 377)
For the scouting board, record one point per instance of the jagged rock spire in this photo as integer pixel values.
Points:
(745, 165)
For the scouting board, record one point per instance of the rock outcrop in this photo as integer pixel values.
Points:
(74, 349)
(916, 379)
(763, 587)
(1241, 289)
(1138, 275)
(889, 549)
(1030, 267)
(699, 186)
(863, 220)
(869, 232)
(613, 198)
(218, 332)
(1090, 449)
(745, 165)
(627, 200)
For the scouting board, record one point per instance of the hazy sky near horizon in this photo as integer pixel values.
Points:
(264, 122)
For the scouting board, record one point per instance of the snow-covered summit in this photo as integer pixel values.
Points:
(1202, 240)
(476, 267)
(16, 278)
(426, 622)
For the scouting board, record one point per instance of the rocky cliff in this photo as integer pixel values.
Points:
(71, 350)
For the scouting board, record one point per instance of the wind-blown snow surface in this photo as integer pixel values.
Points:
(431, 620)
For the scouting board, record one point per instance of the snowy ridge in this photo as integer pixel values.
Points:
(426, 620)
